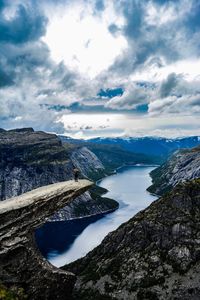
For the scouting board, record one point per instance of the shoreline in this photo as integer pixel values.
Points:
(113, 209)
(88, 216)
(120, 167)
(101, 225)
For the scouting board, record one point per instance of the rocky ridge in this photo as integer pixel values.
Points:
(182, 166)
(155, 255)
(88, 163)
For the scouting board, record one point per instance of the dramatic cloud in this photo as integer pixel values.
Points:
(29, 77)
(26, 25)
(185, 105)
(168, 85)
(157, 30)
(134, 96)
(128, 58)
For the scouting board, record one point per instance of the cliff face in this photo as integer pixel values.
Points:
(21, 264)
(30, 159)
(89, 164)
(155, 255)
(90, 203)
(183, 165)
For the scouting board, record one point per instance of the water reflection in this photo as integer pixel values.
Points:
(128, 187)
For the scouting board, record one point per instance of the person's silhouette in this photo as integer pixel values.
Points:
(76, 174)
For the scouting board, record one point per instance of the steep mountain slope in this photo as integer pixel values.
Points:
(89, 164)
(91, 202)
(30, 159)
(155, 255)
(183, 165)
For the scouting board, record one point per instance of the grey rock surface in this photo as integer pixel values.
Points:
(182, 166)
(21, 264)
(30, 159)
(155, 255)
(85, 205)
(87, 162)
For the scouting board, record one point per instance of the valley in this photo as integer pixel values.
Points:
(64, 242)
(111, 239)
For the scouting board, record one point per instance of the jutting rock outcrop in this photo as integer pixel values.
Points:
(21, 264)
(30, 159)
(155, 255)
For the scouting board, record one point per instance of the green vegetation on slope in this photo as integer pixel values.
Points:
(114, 156)
(11, 294)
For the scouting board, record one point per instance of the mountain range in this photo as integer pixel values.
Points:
(153, 256)
(158, 148)
(30, 159)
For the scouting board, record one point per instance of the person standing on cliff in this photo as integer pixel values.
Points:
(76, 174)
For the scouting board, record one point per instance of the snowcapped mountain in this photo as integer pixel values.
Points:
(156, 146)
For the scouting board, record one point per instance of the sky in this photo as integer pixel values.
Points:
(88, 68)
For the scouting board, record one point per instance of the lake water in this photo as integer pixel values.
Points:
(64, 242)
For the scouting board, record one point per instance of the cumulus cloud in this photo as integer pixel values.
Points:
(29, 77)
(26, 25)
(133, 96)
(148, 39)
(185, 105)
(168, 85)
(157, 29)
(176, 95)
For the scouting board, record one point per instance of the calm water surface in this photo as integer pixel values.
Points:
(64, 242)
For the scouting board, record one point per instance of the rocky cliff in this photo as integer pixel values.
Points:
(30, 159)
(21, 264)
(183, 165)
(92, 202)
(89, 204)
(155, 255)
(89, 164)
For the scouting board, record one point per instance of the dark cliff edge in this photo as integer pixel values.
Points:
(155, 255)
(183, 165)
(30, 159)
(21, 264)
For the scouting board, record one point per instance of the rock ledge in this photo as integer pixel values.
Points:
(21, 264)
